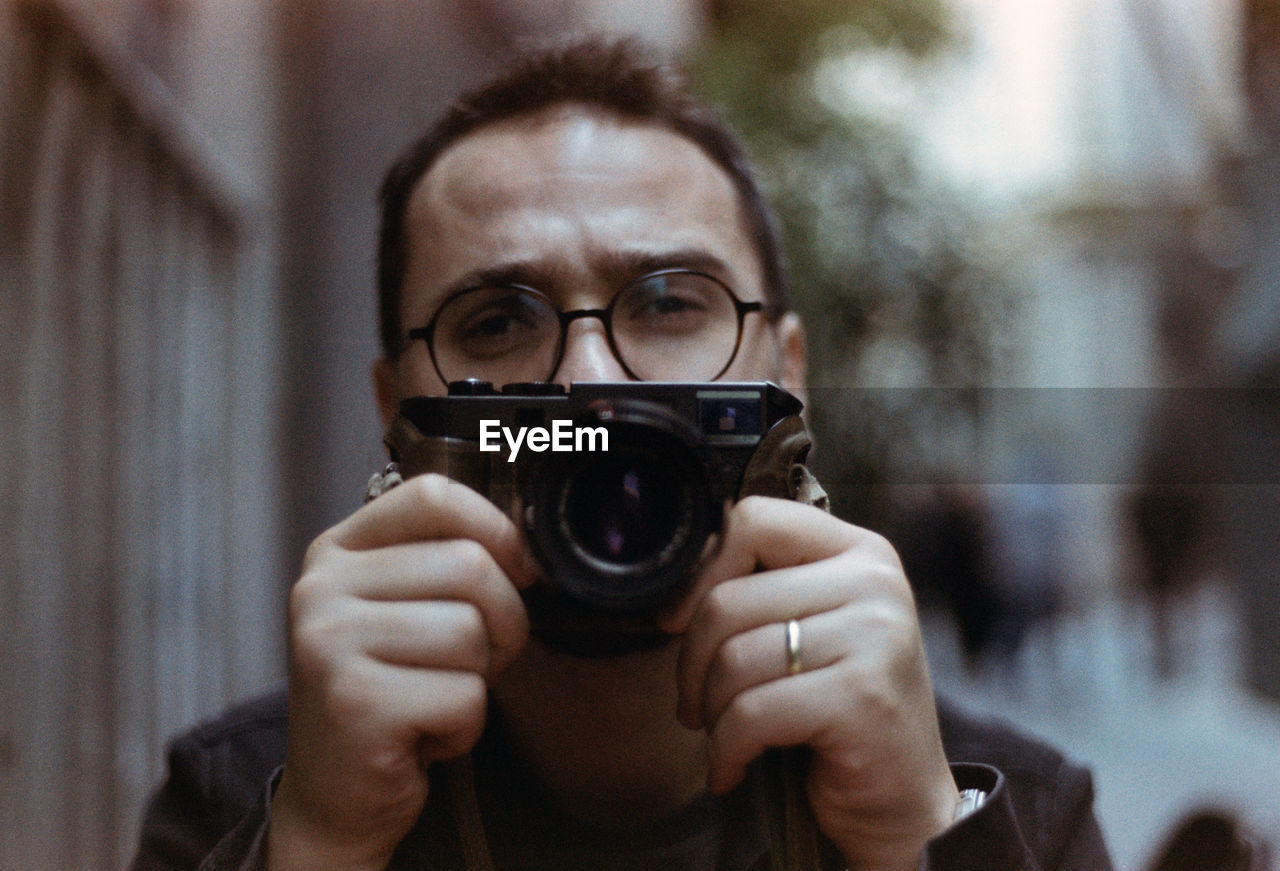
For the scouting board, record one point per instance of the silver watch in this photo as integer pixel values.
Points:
(970, 801)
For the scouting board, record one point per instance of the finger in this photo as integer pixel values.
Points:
(438, 713)
(448, 635)
(459, 570)
(782, 713)
(761, 655)
(432, 507)
(743, 604)
(762, 534)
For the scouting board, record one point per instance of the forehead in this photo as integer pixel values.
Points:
(570, 187)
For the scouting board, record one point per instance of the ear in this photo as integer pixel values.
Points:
(793, 357)
(386, 388)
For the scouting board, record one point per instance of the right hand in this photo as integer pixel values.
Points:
(404, 614)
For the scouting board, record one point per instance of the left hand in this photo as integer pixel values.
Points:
(878, 783)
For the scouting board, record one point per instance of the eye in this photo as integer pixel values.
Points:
(669, 302)
(492, 325)
(490, 322)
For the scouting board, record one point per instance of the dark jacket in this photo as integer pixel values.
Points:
(211, 812)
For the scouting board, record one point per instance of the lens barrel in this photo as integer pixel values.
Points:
(620, 530)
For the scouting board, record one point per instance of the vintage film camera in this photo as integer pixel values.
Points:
(620, 530)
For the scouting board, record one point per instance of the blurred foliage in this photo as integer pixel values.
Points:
(893, 291)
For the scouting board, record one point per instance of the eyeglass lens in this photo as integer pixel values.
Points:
(667, 326)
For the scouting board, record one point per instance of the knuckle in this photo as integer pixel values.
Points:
(733, 657)
(465, 720)
(895, 584)
(309, 594)
(347, 699)
(473, 642)
(471, 625)
(884, 551)
(316, 631)
(314, 643)
(873, 696)
(320, 624)
(889, 628)
(471, 557)
(717, 605)
(753, 508)
(320, 550)
(473, 696)
(428, 490)
(846, 577)
(890, 662)
(745, 711)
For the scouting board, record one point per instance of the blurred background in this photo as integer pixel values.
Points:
(1037, 245)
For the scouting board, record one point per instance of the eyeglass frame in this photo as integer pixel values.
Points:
(770, 311)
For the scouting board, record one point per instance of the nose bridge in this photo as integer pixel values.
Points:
(587, 355)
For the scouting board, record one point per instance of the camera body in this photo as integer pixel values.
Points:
(618, 487)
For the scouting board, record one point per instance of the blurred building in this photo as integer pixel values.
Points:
(1251, 333)
(139, 405)
(1125, 155)
(187, 215)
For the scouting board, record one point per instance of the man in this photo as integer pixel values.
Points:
(585, 181)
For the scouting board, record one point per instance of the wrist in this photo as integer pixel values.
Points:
(902, 848)
(295, 842)
(967, 803)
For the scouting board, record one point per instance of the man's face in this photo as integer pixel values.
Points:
(578, 204)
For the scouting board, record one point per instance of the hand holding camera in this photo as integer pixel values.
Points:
(404, 613)
(851, 683)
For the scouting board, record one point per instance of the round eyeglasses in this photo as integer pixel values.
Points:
(670, 325)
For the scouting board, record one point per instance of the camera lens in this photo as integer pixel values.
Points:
(619, 508)
(620, 530)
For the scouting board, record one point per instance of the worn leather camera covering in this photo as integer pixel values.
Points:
(416, 454)
(776, 467)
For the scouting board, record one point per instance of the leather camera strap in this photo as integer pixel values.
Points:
(461, 784)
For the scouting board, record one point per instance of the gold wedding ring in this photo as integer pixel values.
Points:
(794, 664)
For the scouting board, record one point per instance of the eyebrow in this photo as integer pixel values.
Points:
(523, 272)
(617, 267)
(628, 265)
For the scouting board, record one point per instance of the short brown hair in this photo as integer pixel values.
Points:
(612, 75)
